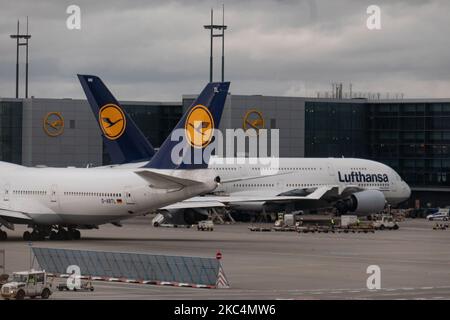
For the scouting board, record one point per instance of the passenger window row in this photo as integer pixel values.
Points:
(304, 184)
(30, 192)
(92, 194)
(253, 185)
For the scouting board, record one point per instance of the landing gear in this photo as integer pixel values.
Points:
(27, 236)
(75, 234)
(42, 233)
(38, 234)
(53, 235)
(33, 236)
(69, 234)
(3, 235)
(62, 234)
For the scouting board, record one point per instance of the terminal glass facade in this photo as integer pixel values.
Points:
(11, 131)
(414, 139)
(411, 137)
(335, 129)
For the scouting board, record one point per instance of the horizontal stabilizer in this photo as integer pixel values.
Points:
(164, 181)
(194, 205)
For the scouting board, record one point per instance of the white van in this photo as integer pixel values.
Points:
(441, 215)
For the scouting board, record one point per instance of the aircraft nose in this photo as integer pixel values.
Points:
(407, 190)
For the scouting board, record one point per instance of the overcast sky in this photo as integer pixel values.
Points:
(158, 50)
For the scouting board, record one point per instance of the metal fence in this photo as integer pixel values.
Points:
(136, 266)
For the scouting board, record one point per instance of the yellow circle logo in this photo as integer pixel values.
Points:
(112, 121)
(253, 119)
(199, 126)
(53, 124)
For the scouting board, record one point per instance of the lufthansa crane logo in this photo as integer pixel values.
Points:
(199, 126)
(253, 119)
(112, 121)
(53, 124)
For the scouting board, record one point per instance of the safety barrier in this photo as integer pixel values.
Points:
(181, 271)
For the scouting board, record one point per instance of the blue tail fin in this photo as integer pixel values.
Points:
(185, 147)
(123, 139)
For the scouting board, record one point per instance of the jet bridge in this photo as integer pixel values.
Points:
(196, 272)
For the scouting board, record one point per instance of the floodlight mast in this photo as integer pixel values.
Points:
(221, 28)
(19, 36)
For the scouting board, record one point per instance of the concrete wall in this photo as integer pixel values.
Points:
(76, 146)
(286, 113)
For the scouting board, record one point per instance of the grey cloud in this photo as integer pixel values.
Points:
(153, 50)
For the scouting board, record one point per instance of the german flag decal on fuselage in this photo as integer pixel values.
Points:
(199, 127)
(112, 121)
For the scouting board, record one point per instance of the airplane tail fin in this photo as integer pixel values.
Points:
(124, 141)
(186, 146)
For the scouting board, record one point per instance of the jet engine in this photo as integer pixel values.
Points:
(364, 202)
(180, 216)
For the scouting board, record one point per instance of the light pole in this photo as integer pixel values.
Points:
(222, 28)
(19, 36)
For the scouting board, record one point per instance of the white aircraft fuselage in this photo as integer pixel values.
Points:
(309, 173)
(82, 197)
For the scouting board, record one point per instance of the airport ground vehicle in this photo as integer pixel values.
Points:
(442, 214)
(440, 226)
(206, 225)
(288, 220)
(422, 212)
(27, 284)
(351, 223)
(385, 222)
(347, 220)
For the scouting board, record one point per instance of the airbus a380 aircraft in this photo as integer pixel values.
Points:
(350, 185)
(56, 202)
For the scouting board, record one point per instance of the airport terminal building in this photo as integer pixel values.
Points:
(411, 136)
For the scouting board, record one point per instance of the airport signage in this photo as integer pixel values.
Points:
(53, 124)
(253, 119)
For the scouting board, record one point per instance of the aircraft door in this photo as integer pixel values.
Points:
(393, 183)
(53, 193)
(129, 199)
(330, 169)
(6, 192)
